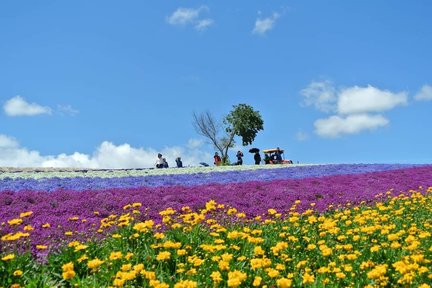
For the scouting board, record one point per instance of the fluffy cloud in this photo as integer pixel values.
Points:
(107, 155)
(18, 106)
(337, 125)
(263, 25)
(355, 108)
(190, 16)
(321, 95)
(425, 93)
(368, 99)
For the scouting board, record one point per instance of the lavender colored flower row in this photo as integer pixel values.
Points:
(253, 198)
(97, 183)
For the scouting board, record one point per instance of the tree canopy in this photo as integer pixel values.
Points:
(243, 121)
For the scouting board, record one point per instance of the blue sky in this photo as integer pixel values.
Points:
(109, 84)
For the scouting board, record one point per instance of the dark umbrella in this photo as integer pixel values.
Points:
(254, 150)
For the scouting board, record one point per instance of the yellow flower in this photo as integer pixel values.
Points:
(41, 247)
(115, 255)
(284, 283)
(16, 221)
(46, 225)
(17, 273)
(68, 266)
(94, 264)
(68, 271)
(186, 284)
(80, 247)
(308, 278)
(26, 214)
(68, 274)
(216, 276)
(28, 228)
(257, 281)
(68, 233)
(235, 278)
(163, 255)
(8, 257)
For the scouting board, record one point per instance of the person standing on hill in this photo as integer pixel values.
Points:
(257, 158)
(217, 159)
(239, 158)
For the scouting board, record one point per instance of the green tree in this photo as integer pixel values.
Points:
(243, 121)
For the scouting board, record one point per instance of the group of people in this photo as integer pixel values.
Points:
(161, 162)
(239, 155)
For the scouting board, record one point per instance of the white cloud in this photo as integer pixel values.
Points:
(67, 110)
(203, 24)
(368, 99)
(263, 25)
(425, 93)
(337, 125)
(18, 106)
(106, 155)
(321, 95)
(352, 107)
(190, 16)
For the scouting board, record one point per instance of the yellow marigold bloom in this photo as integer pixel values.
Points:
(80, 247)
(73, 243)
(8, 257)
(15, 285)
(82, 258)
(136, 204)
(241, 258)
(118, 282)
(272, 273)
(257, 281)
(235, 278)
(16, 221)
(41, 247)
(68, 274)
(308, 278)
(163, 255)
(46, 225)
(28, 228)
(26, 214)
(375, 248)
(68, 266)
(284, 283)
(73, 218)
(271, 211)
(186, 284)
(115, 255)
(17, 273)
(223, 265)
(68, 233)
(211, 205)
(159, 235)
(181, 252)
(216, 276)
(377, 272)
(311, 247)
(144, 226)
(258, 251)
(126, 267)
(95, 263)
(127, 206)
(129, 255)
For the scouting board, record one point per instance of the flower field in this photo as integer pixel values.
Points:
(341, 225)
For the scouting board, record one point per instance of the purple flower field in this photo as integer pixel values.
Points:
(54, 201)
